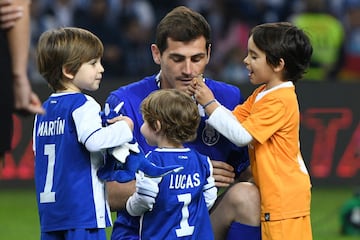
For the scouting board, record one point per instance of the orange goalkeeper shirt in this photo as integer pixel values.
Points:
(277, 166)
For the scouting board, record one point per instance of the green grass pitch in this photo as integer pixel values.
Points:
(19, 218)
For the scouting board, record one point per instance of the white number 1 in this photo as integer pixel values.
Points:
(47, 196)
(185, 229)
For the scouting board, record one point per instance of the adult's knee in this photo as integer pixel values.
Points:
(244, 197)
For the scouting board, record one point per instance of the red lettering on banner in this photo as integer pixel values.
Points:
(25, 167)
(349, 164)
(9, 171)
(326, 123)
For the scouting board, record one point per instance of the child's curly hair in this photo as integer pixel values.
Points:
(176, 112)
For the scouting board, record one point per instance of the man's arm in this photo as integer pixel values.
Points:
(19, 43)
(118, 194)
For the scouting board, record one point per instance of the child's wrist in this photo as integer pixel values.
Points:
(209, 103)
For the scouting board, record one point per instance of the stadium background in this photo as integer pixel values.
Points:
(330, 133)
(330, 112)
(330, 138)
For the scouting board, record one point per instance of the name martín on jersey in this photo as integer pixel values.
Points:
(51, 128)
(182, 181)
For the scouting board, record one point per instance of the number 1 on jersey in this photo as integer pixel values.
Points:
(47, 196)
(185, 229)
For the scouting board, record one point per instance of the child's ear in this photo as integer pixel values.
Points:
(157, 126)
(280, 66)
(66, 73)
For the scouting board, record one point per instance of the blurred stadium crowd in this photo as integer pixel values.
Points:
(127, 28)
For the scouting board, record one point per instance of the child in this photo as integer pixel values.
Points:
(268, 122)
(69, 138)
(180, 209)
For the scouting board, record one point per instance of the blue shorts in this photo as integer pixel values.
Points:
(75, 234)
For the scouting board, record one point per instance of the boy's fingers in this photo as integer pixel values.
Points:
(198, 80)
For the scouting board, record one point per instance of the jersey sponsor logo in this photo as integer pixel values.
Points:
(51, 128)
(182, 181)
(209, 135)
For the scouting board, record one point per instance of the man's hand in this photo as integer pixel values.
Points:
(26, 101)
(9, 13)
(223, 173)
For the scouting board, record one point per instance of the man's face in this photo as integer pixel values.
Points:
(181, 62)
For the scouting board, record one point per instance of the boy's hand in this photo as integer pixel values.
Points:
(143, 199)
(200, 91)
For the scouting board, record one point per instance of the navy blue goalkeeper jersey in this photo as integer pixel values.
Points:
(208, 142)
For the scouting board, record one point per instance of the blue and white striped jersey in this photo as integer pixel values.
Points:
(67, 141)
(180, 209)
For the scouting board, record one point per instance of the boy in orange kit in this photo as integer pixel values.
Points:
(268, 122)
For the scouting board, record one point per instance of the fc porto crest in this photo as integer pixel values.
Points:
(209, 135)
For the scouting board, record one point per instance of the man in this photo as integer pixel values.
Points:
(182, 50)
(16, 92)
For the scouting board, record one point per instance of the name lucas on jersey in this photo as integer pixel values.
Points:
(51, 128)
(182, 181)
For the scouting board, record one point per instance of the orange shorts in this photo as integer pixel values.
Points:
(293, 228)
